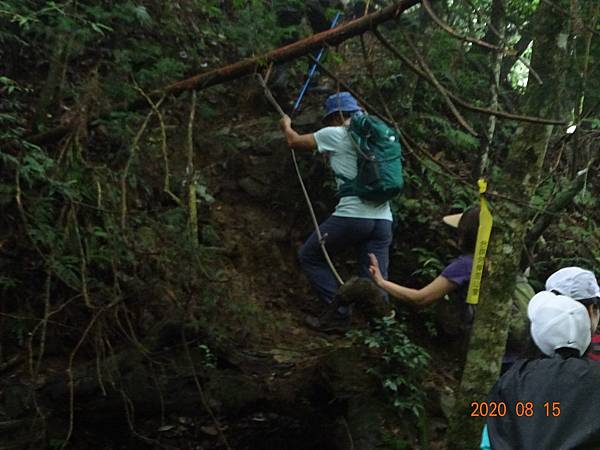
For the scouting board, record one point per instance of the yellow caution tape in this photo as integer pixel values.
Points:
(483, 237)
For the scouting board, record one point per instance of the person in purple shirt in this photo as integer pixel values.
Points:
(453, 281)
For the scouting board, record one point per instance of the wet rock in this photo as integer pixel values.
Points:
(310, 117)
(261, 150)
(226, 131)
(278, 234)
(235, 166)
(253, 188)
(243, 145)
(272, 141)
(365, 409)
(232, 393)
(228, 184)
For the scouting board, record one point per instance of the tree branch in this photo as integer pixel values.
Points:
(245, 67)
(412, 66)
(132, 152)
(333, 36)
(560, 202)
(371, 72)
(514, 52)
(570, 16)
(442, 90)
(163, 147)
(191, 175)
(444, 26)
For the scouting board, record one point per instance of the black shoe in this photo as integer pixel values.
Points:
(314, 308)
(329, 323)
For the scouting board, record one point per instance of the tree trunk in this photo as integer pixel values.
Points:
(517, 180)
(495, 35)
(51, 92)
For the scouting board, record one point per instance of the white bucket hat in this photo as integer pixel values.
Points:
(575, 282)
(558, 321)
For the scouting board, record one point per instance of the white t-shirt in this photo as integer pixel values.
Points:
(336, 144)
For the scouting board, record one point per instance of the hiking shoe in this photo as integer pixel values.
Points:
(332, 323)
(319, 308)
(314, 308)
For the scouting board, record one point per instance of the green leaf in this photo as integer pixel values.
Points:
(142, 15)
(389, 384)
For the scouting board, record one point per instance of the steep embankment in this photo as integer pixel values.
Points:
(155, 374)
(186, 346)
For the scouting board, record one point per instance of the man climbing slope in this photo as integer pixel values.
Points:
(362, 225)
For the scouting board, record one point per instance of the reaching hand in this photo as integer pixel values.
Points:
(374, 270)
(285, 123)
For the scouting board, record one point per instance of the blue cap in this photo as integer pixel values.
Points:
(342, 101)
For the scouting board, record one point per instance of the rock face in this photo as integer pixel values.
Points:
(326, 402)
(309, 119)
(269, 143)
(254, 188)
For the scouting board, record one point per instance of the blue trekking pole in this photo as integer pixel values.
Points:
(313, 68)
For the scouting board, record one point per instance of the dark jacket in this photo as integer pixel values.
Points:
(565, 399)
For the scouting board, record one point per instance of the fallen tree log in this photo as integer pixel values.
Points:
(248, 66)
(291, 51)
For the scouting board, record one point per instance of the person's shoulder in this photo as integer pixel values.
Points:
(580, 367)
(330, 139)
(522, 369)
(464, 259)
(332, 131)
(584, 365)
(459, 266)
(557, 373)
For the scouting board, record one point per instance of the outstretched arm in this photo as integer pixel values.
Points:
(295, 140)
(419, 298)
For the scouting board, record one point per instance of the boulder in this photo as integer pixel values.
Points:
(254, 188)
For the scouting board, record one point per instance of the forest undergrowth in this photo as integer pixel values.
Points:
(151, 294)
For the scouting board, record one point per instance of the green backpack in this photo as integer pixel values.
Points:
(379, 161)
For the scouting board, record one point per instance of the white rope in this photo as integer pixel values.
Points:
(320, 237)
